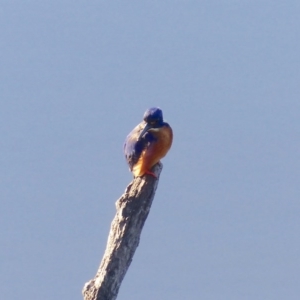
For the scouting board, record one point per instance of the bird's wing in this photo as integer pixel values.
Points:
(134, 146)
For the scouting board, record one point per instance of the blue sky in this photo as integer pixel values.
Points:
(76, 77)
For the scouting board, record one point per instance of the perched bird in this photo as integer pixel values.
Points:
(148, 142)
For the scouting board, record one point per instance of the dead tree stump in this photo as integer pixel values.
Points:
(132, 210)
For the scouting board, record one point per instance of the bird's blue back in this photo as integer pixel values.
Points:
(134, 146)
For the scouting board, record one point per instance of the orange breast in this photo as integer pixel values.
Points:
(155, 151)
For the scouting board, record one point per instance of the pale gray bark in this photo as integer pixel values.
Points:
(124, 236)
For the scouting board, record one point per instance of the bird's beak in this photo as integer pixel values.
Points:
(146, 128)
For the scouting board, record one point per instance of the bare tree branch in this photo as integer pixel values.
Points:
(132, 211)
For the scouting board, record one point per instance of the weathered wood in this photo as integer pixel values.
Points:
(132, 211)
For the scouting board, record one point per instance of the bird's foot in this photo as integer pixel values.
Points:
(150, 173)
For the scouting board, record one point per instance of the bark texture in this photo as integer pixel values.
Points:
(124, 236)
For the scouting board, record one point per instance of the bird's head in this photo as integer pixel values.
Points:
(153, 118)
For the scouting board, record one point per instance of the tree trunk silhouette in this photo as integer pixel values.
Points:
(132, 210)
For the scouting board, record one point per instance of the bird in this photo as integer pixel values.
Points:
(148, 142)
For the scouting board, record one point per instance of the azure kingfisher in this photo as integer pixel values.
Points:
(148, 142)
